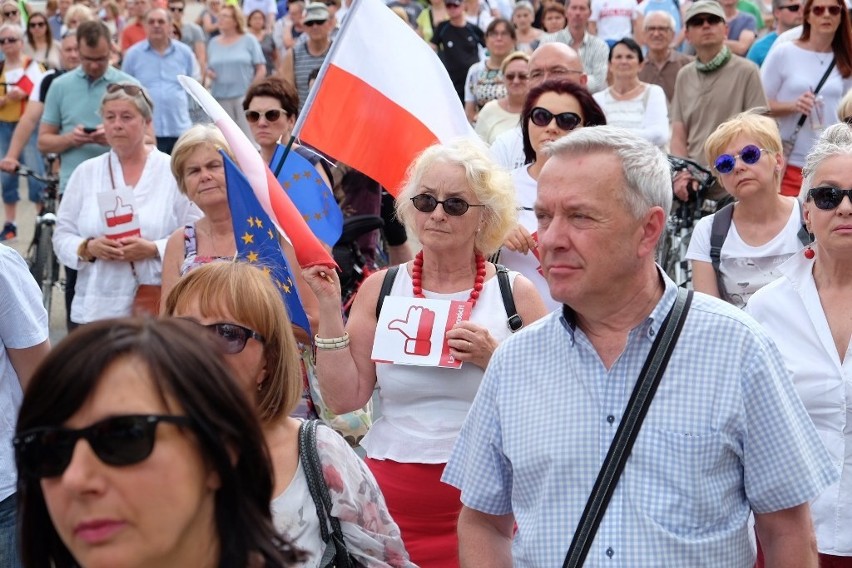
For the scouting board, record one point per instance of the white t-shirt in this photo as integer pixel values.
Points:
(493, 121)
(526, 189)
(23, 324)
(746, 269)
(647, 114)
(508, 149)
(614, 18)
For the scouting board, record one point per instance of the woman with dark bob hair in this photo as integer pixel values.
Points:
(551, 111)
(174, 471)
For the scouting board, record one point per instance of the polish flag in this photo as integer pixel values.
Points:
(273, 199)
(382, 96)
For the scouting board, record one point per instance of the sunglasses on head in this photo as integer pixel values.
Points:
(454, 206)
(749, 155)
(827, 197)
(792, 7)
(564, 120)
(820, 10)
(699, 21)
(271, 115)
(232, 338)
(313, 23)
(132, 90)
(117, 441)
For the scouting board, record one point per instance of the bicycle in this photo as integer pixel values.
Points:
(355, 265)
(674, 242)
(40, 256)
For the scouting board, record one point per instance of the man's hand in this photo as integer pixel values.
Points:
(682, 182)
(9, 165)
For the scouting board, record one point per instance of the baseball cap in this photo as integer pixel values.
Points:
(711, 7)
(315, 12)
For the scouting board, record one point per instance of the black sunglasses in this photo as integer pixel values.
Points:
(117, 441)
(454, 206)
(313, 23)
(11, 14)
(231, 337)
(38, 24)
(132, 90)
(175, 9)
(792, 7)
(271, 115)
(700, 20)
(564, 120)
(820, 10)
(749, 155)
(827, 197)
(5, 40)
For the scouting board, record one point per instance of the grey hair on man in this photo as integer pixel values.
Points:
(836, 140)
(644, 168)
(661, 14)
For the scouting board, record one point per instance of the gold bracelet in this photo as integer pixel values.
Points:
(333, 343)
(83, 253)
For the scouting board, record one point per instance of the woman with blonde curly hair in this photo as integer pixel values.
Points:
(460, 206)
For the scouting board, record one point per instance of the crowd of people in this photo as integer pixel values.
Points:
(196, 389)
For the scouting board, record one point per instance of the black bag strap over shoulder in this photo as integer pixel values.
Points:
(335, 554)
(387, 284)
(628, 429)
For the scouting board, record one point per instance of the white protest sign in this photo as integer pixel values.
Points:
(118, 210)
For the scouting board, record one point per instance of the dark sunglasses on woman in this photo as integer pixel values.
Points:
(117, 441)
(454, 206)
(820, 10)
(827, 197)
(564, 120)
(271, 115)
(749, 155)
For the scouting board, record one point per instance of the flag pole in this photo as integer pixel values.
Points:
(283, 159)
(344, 30)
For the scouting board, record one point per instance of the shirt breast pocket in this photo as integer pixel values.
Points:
(682, 482)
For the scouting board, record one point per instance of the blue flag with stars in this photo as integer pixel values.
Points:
(309, 193)
(257, 241)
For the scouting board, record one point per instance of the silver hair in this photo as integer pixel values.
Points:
(836, 140)
(14, 28)
(142, 101)
(644, 168)
(669, 18)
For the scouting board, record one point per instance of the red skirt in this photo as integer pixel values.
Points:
(791, 183)
(425, 509)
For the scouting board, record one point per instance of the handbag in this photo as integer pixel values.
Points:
(634, 414)
(788, 143)
(335, 554)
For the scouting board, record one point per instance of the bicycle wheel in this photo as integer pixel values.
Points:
(44, 265)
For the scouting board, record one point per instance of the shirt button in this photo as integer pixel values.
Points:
(610, 552)
(651, 333)
(610, 418)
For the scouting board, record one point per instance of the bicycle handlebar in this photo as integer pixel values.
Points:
(699, 173)
(46, 179)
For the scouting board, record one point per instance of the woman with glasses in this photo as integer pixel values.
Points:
(484, 81)
(552, 110)
(503, 114)
(11, 13)
(459, 205)
(806, 311)
(118, 211)
(40, 45)
(631, 103)
(234, 61)
(763, 227)
(19, 74)
(238, 304)
(791, 76)
(135, 447)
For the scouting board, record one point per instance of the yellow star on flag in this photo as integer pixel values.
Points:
(296, 177)
(252, 256)
(307, 174)
(286, 185)
(270, 233)
(247, 238)
(251, 222)
(258, 223)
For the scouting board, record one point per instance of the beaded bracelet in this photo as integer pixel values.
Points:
(332, 343)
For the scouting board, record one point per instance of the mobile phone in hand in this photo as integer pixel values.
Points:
(89, 129)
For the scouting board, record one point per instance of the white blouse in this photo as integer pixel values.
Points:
(791, 312)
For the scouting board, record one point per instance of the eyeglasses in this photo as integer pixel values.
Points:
(5, 40)
(313, 23)
(132, 90)
(702, 19)
(118, 441)
(232, 338)
(660, 29)
(820, 10)
(499, 33)
(552, 72)
(157, 22)
(792, 7)
(452, 5)
(827, 197)
(175, 9)
(331, 3)
(37, 24)
(519, 76)
(454, 206)
(271, 115)
(749, 155)
(10, 14)
(564, 120)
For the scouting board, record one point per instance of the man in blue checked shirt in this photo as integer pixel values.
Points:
(725, 435)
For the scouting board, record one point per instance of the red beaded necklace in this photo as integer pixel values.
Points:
(417, 277)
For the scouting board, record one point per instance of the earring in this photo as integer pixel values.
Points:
(260, 386)
(809, 252)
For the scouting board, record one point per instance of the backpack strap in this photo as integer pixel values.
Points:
(514, 322)
(387, 284)
(718, 233)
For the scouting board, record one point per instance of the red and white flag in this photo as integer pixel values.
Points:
(382, 96)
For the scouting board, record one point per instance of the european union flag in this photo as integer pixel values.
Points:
(257, 241)
(309, 193)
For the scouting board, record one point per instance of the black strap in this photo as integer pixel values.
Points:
(822, 81)
(387, 284)
(335, 553)
(622, 444)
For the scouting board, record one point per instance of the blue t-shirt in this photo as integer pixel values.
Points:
(234, 65)
(760, 48)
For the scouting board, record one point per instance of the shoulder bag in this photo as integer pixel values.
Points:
(631, 422)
